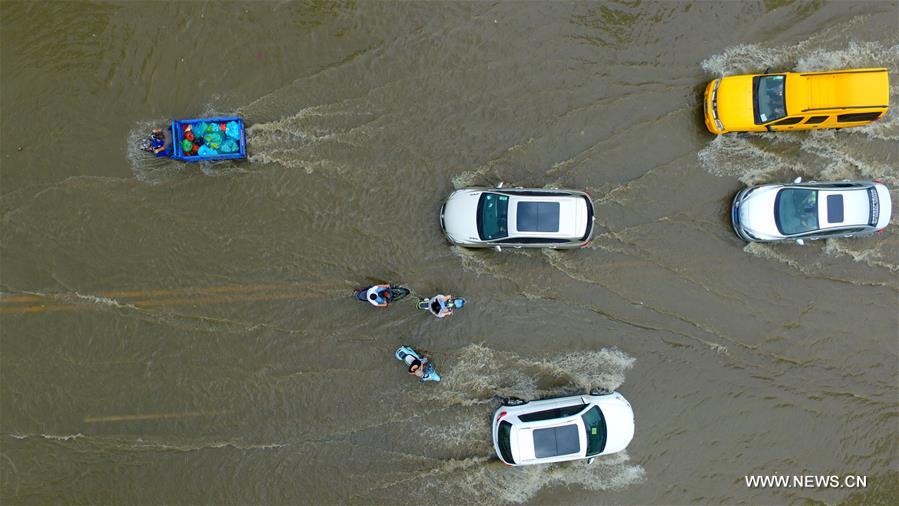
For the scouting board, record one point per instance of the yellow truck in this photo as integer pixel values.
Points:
(796, 100)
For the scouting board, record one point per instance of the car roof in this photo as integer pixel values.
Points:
(843, 207)
(544, 216)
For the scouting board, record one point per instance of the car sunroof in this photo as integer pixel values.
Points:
(835, 209)
(537, 217)
(555, 441)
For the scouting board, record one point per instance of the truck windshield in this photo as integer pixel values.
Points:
(796, 210)
(492, 216)
(768, 98)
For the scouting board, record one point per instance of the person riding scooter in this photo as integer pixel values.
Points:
(442, 305)
(159, 142)
(418, 364)
(379, 295)
(417, 367)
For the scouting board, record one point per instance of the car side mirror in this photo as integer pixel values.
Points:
(768, 128)
(798, 180)
(800, 242)
(767, 70)
(500, 184)
(498, 248)
(591, 460)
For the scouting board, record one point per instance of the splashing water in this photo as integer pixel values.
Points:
(744, 158)
(833, 48)
(479, 374)
(478, 480)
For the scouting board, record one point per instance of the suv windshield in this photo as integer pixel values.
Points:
(595, 425)
(768, 98)
(796, 210)
(492, 216)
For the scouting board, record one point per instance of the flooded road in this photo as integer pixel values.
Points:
(186, 334)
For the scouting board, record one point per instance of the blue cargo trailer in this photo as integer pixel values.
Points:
(224, 138)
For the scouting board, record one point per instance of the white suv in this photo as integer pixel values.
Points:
(517, 218)
(813, 210)
(567, 428)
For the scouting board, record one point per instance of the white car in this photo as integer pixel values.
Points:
(566, 428)
(813, 210)
(517, 218)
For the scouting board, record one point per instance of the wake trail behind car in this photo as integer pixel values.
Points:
(478, 374)
(489, 482)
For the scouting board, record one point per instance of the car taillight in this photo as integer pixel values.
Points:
(501, 414)
(586, 243)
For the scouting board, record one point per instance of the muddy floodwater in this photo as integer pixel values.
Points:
(186, 333)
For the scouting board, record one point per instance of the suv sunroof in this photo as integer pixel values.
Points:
(537, 217)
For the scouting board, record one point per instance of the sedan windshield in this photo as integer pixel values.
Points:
(595, 425)
(796, 211)
(769, 98)
(493, 216)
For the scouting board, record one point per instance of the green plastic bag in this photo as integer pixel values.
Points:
(213, 139)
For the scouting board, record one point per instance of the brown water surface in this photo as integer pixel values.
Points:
(176, 334)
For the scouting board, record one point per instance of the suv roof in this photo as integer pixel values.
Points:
(547, 216)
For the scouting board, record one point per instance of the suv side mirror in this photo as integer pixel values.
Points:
(498, 248)
(798, 180)
(500, 184)
(800, 242)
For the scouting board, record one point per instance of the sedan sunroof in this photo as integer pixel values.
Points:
(835, 209)
(537, 217)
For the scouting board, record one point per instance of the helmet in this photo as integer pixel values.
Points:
(458, 303)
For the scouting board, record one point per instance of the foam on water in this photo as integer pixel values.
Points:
(479, 374)
(484, 262)
(832, 48)
(871, 256)
(835, 149)
(483, 481)
(55, 437)
(744, 157)
(146, 167)
(859, 251)
(474, 177)
(103, 301)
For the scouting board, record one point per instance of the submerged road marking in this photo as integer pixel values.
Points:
(215, 295)
(152, 416)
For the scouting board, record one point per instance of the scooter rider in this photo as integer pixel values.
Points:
(379, 295)
(417, 367)
(442, 305)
